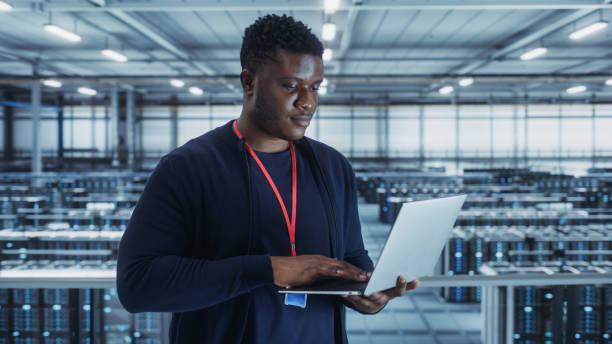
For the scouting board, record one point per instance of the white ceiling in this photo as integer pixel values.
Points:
(411, 47)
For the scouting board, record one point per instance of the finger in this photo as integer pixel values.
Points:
(329, 270)
(413, 285)
(399, 289)
(362, 302)
(351, 270)
(337, 268)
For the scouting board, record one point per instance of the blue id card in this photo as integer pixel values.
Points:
(298, 300)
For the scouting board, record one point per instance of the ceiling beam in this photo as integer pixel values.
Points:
(150, 34)
(164, 43)
(551, 25)
(307, 5)
(415, 59)
(347, 37)
(341, 79)
(606, 58)
(531, 37)
(41, 64)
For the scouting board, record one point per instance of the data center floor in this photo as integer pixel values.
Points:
(421, 316)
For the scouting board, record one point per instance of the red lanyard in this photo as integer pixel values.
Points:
(290, 224)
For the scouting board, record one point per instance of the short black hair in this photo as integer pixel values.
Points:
(269, 33)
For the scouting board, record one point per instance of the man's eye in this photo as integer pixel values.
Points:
(290, 87)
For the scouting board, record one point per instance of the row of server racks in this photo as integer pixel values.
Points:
(69, 223)
(523, 219)
(512, 219)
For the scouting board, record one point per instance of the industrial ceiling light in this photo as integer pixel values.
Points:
(576, 89)
(466, 82)
(63, 33)
(52, 83)
(329, 31)
(331, 6)
(196, 90)
(609, 82)
(446, 89)
(532, 54)
(177, 83)
(587, 30)
(113, 55)
(87, 91)
(327, 54)
(5, 6)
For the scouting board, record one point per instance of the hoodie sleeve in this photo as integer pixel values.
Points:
(154, 270)
(355, 253)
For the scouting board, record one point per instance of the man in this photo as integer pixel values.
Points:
(234, 215)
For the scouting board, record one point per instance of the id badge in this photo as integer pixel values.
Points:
(298, 300)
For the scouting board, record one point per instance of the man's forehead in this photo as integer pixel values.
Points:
(288, 64)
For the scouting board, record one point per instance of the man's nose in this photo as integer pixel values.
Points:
(306, 99)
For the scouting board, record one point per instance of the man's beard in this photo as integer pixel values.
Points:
(262, 113)
(265, 118)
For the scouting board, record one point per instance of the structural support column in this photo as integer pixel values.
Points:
(140, 123)
(560, 140)
(387, 131)
(421, 136)
(526, 135)
(129, 127)
(36, 152)
(352, 119)
(593, 138)
(491, 135)
(382, 135)
(515, 134)
(174, 123)
(8, 131)
(93, 130)
(457, 136)
(114, 113)
(60, 128)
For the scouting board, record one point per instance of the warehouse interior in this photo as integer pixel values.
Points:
(507, 101)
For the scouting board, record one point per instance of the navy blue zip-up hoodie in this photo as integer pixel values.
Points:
(188, 248)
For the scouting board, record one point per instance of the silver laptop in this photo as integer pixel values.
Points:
(412, 249)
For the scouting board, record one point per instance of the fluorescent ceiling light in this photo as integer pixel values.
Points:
(576, 89)
(113, 55)
(532, 54)
(322, 90)
(331, 6)
(5, 7)
(324, 82)
(327, 54)
(446, 89)
(63, 33)
(196, 90)
(609, 82)
(466, 82)
(87, 91)
(329, 31)
(52, 83)
(585, 31)
(177, 83)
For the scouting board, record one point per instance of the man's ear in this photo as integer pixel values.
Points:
(247, 80)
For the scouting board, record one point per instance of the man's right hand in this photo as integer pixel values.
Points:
(305, 269)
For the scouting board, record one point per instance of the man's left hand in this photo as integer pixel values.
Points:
(377, 301)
